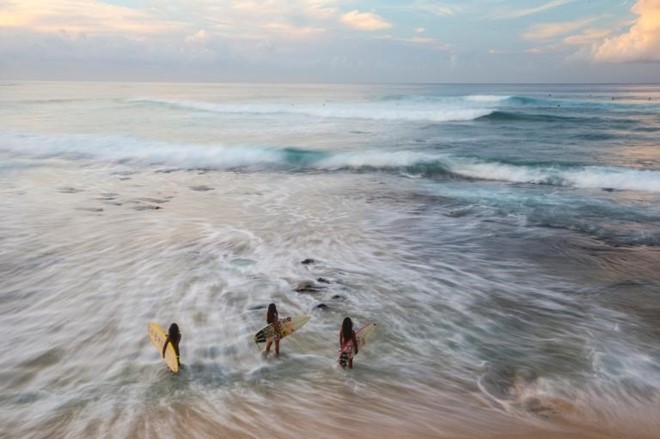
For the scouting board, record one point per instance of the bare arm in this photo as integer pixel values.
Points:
(165, 345)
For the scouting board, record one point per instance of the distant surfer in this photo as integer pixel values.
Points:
(174, 336)
(273, 318)
(348, 344)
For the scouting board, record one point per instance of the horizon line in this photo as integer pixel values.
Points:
(322, 83)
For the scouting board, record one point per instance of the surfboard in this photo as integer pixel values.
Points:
(362, 336)
(289, 326)
(158, 337)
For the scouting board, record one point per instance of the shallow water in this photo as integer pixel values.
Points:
(504, 239)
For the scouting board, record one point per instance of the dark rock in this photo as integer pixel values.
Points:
(322, 307)
(338, 297)
(147, 207)
(69, 190)
(608, 189)
(257, 307)
(308, 261)
(306, 287)
(322, 280)
(202, 188)
(152, 200)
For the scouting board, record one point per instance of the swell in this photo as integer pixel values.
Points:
(512, 116)
(602, 119)
(586, 104)
(382, 111)
(257, 158)
(411, 108)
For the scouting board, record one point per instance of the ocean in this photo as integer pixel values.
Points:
(504, 238)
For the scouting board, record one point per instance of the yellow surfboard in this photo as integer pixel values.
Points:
(289, 326)
(158, 337)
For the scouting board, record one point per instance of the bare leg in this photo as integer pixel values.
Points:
(350, 363)
(268, 344)
(277, 347)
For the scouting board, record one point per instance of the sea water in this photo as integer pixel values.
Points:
(504, 238)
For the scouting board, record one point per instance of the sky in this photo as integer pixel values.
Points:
(384, 41)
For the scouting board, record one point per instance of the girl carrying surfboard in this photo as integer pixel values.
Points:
(273, 318)
(348, 344)
(173, 336)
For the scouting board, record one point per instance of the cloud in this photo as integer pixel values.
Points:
(531, 11)
(545, 31)
(246, 19)
(435, 8)
(640, 44)
(87, 16)
(588, 36)
(284, 29)
(423, 41)
(313, 9)
(543, 49)
(201, 36)
(365, 21)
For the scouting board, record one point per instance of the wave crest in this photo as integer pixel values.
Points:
(363, 110)
(424, 164)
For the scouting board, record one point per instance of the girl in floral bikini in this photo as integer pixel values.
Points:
(347, 344)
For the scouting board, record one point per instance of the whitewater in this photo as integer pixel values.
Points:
(504, 238)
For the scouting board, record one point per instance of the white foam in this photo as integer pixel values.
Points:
(617, 178)
(375, 159)
(138, 151)
(218, 156)
(487, 98)
(391, 111)
(586, 177)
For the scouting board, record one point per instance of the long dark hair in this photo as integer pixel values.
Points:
(272, 312)
(347, 328)
(174, 330)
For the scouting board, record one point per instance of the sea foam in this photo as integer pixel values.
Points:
(389, 111)
(217, 156)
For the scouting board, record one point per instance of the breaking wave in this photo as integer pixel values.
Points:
(390, 111)
(423, 164)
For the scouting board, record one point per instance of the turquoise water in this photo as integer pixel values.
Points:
(504, 238)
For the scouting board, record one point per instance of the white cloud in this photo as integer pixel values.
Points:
(424, 41)
(365, 21)
(640, 44)
(201, 36)
(436, 8)
(588, 36)
(89, 16)
(287, 30)
(545, 31)
(531, 11)
(227, 18)
(543, 49)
